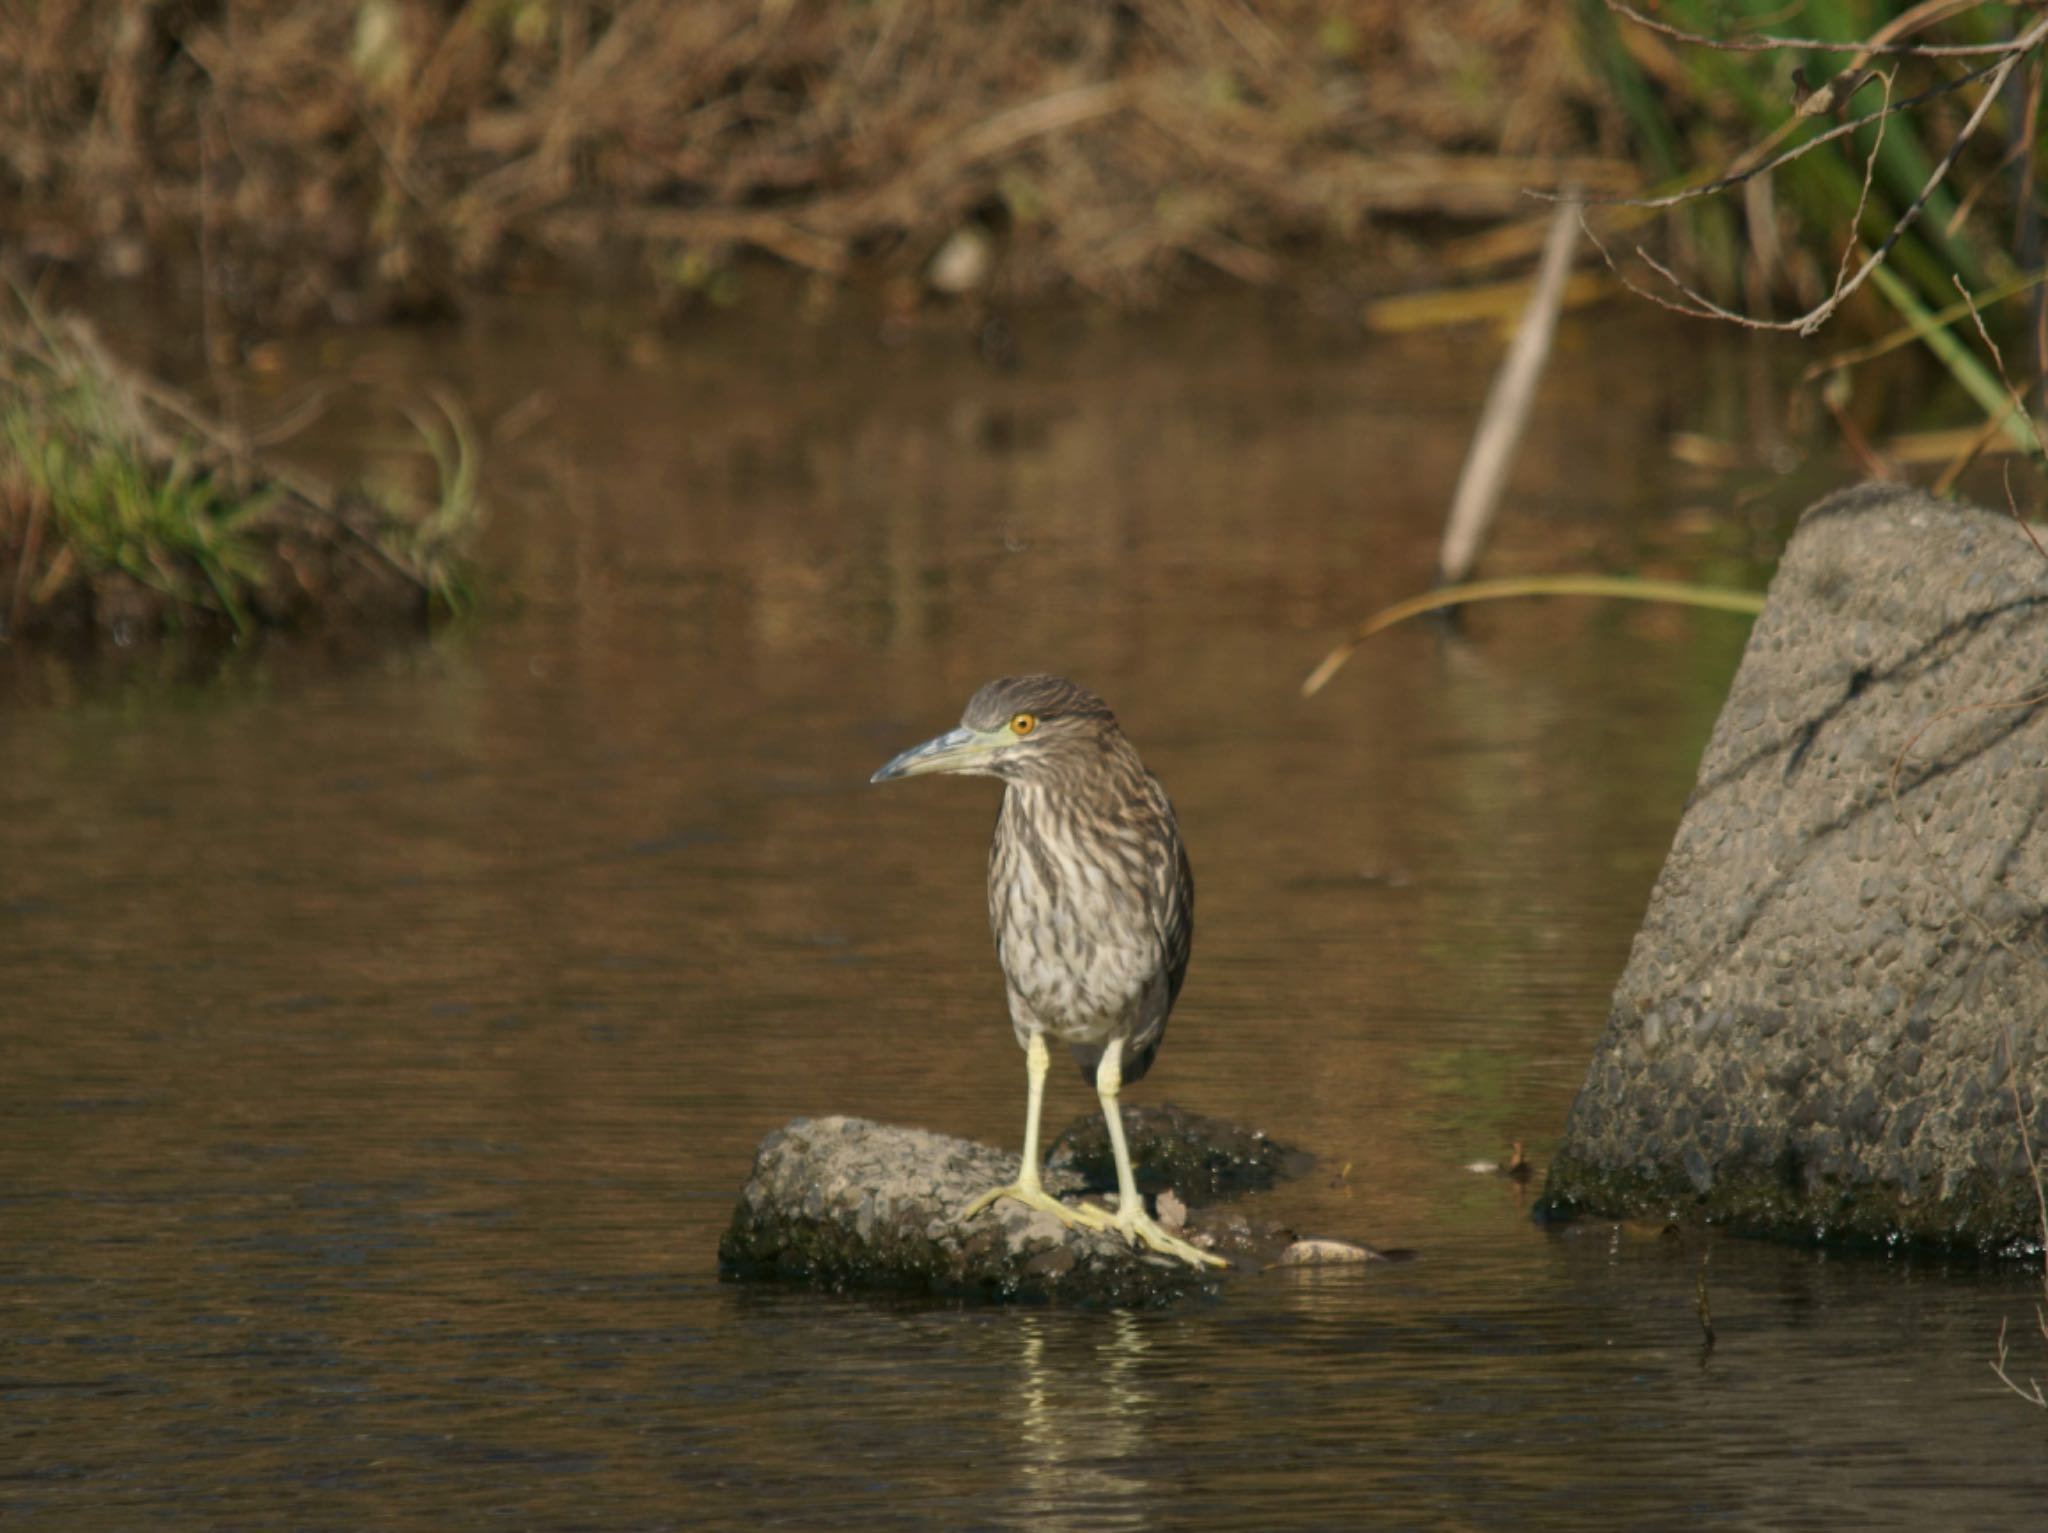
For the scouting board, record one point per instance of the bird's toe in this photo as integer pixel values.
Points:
(1144, 1230)
(1075, 1216)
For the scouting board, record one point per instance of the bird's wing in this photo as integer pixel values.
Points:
(1174, 907)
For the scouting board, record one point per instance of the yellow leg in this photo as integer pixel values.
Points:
(1028, 1189)
(1132, 1222)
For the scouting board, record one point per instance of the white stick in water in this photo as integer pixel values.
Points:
(1507, 404)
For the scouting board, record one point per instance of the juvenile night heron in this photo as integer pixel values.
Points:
(1092, 903)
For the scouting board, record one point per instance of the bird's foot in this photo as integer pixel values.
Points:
(1140, 1228)
(1074, 1216)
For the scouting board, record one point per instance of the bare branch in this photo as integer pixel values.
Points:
(1814, 318)
(2015, 405)
(1700, 308)
(1972, 450)
(2031, 1392)
(1819, 316)
(2019, 1112)
(1993, 76)
(1868, 47)
(1699, 302)
(1908, 335)
(1863, 195)
(2012, 393)
(1798, 151)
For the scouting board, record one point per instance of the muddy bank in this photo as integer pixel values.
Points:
(347, 158)
(1831, 1021)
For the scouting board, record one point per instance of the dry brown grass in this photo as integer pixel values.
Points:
(346, 155)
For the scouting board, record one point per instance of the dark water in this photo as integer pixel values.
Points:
(385, 1038)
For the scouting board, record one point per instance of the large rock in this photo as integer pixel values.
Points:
(1811, 1036)
(844, 1203)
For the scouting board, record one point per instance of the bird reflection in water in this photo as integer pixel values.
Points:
(1084, 1428)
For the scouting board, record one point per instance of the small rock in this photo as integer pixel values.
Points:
(962, 263)
(1325, 1253)
(846, 1204)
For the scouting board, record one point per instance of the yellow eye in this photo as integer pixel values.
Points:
(1023, 724)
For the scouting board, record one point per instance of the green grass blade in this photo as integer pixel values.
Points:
(1670, 592)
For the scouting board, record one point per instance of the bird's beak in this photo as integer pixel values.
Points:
(957, 750)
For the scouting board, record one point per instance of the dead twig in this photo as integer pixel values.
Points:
(2031, 1391)
(1908, 335)
(1750, 165)
(1834, 395)
(1699, 305)
(1704, 1308)
(1972, 450)
(2014, 405)
(1768, 43)
(1992, 76)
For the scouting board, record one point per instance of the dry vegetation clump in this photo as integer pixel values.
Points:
(123, 515)
(374, 155)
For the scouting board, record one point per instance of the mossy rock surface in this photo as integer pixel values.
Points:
(848, 1204)
(1836, 1010)
(1202, 1159)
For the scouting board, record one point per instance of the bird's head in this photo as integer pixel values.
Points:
(1021, 729)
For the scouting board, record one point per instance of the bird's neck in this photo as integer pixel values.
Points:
(1084, 798)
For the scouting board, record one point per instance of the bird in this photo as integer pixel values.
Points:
(1092, 904)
